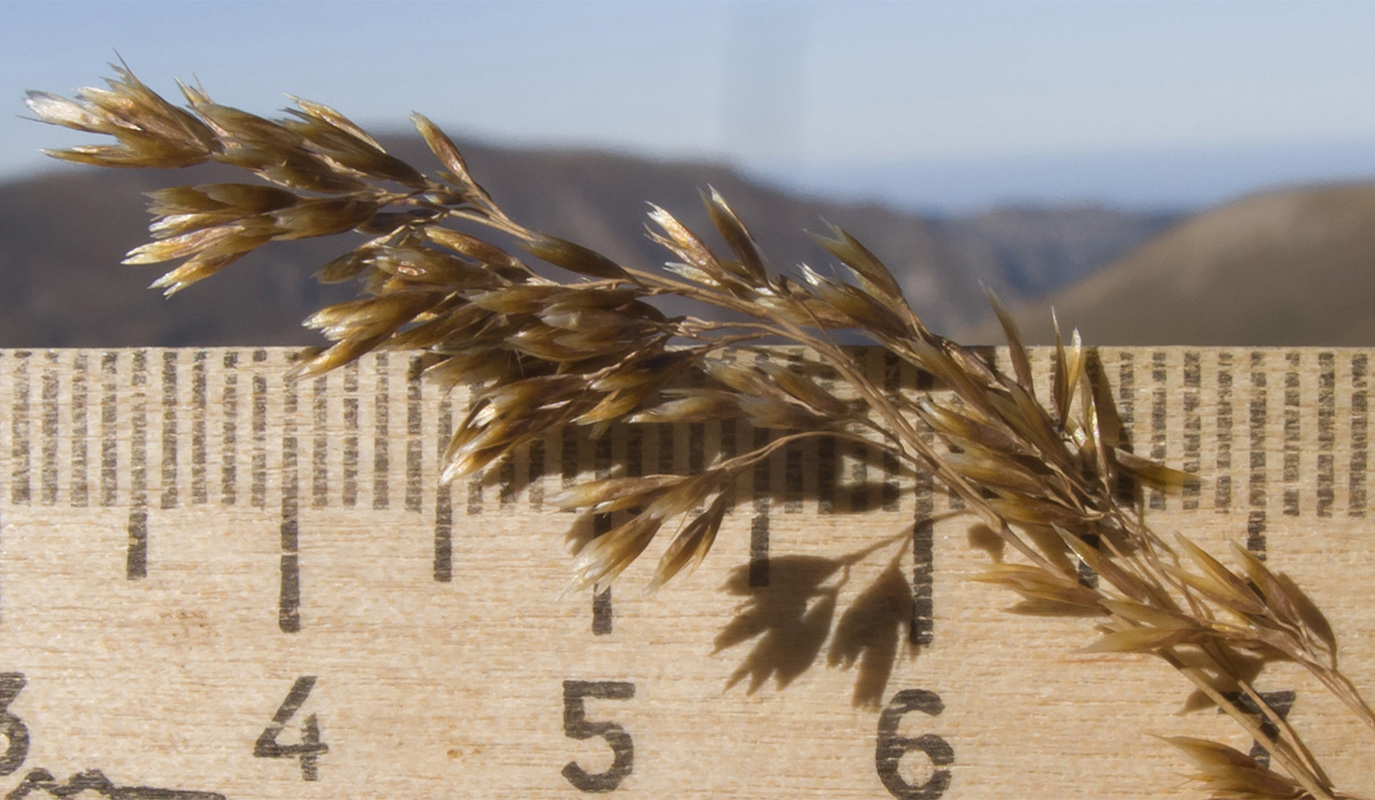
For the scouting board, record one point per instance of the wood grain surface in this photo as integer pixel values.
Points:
(214, 583)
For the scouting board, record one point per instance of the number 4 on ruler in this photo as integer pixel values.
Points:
(311, 748)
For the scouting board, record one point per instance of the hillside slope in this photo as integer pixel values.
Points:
(1293, 267)
(62, 238)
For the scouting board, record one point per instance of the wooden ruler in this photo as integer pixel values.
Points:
(214, 584)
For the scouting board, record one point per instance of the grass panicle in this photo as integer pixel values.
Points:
(441, 268)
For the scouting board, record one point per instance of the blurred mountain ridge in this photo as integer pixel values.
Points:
(63, 235)
(1288, 267)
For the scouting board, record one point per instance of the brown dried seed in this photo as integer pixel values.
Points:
(573, 257)
(443, 148)
(1151, 472)
(958, 423)
(206, 263)
(689, 547)
(609, 490)
(700, 405)
(321, 217)
(981, 466)
(866, 266)
(751, 266)
(335, 120)
(345, 267)
(1144, 640)
(769, 412)
(1121, 580)
(1229, 773)
(605, 557)
(425, 266)
(294, 168)
(519, 299)
(860, 308)
(615, 406)
(506, 264)
(232, 123)
(1231, 583)
(194, 241)
(56, 110)
(685, 244)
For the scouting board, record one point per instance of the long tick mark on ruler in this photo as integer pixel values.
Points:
(381, 442)
(170, 401)
(229, 431)
(1360, 433)
(1193, 427)
(1222, 492)
(1159, 408)
(20, 458)
(1292, 434)
(136, 556)
(289, 593)
(1257, 495)
(443, 501)
(80, 457)
(1327, 435)
(200, 493)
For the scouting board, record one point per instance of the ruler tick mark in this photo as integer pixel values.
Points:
(443, 502)
(537, 470)
(601, 598)
(19, 430)
(289, 595)
(48, 395)
(136, 557)
(759, 524)
(414, 445)
(1280, 703)
(1256, 519)
(1159, 406)
(1222, 491)
(1193, 428)
(80, 458)
(351, 428)
(109, 430)
(892, 384)
(169, 429)
(199, 491)
(1327, 413)
(381, 456)
(229, 431)
(922, 626)
(1359, 436)
(258, 462)
(1292, 433)
(601, 524)
(1126, 412)
(319, 460)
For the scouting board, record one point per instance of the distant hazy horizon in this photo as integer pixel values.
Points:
(1166, 179)
(942, 107)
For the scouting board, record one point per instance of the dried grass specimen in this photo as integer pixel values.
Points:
(590, 350)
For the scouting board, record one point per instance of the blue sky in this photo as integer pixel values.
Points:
(820, 91)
